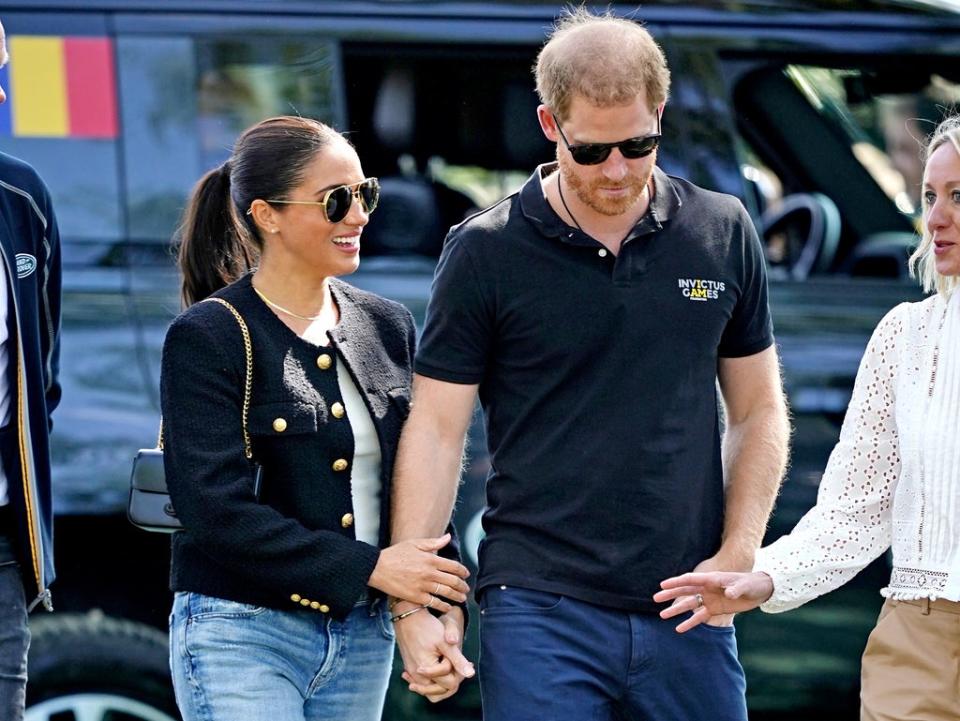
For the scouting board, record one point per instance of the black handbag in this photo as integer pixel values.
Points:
(149, 506)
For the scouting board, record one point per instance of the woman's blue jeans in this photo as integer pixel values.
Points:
(233, 661)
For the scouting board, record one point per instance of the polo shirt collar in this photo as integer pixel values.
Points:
(535, 208)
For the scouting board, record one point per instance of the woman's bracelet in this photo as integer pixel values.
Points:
(403, 615)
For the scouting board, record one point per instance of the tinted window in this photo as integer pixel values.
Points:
(62, 107)
(185, 101)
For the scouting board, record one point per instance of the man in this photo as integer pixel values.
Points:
(29, 357)
(595, 311)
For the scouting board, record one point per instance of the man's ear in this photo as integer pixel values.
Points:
(547, 123)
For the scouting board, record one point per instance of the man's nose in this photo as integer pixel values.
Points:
(615, 166)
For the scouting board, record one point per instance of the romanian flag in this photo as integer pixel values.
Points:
(59, 87)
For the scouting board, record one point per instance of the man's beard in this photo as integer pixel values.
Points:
(590, 195)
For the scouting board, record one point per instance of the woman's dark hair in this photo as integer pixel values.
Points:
(218, 241)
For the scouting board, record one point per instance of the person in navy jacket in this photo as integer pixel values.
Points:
(29, 392)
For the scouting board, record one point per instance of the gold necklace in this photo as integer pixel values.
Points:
(279, 307)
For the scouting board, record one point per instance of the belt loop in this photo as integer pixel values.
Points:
(925, 606)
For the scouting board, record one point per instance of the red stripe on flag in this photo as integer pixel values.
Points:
(91, 87)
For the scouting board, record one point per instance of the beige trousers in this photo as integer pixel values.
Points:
(911, 666)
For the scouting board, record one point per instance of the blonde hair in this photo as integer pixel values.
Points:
(607, 60)
(923, 261)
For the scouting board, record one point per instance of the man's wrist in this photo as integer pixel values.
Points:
(734, 556)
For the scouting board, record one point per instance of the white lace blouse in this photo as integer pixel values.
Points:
(894, 476)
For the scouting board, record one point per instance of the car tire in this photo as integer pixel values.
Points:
(93, 666)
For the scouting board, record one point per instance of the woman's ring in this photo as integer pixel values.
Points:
(699, 598)
(436, 591)
(432, 599)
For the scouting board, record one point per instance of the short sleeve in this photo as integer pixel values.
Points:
(750, 328)
(458, 329)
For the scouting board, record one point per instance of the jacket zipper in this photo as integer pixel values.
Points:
(35, 541)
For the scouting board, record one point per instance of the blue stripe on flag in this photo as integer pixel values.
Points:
(6, 127)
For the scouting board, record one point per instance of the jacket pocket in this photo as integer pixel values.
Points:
(283, 418)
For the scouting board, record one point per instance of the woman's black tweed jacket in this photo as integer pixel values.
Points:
(294, 548)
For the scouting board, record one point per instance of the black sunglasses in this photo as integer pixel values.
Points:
(596, 153)
(336, 202)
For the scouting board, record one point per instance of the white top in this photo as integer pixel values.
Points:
(4, 362)
(365, 477)
(894, 476)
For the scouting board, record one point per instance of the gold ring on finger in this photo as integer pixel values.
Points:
(699, 598)
(436, 591)
(430, 604)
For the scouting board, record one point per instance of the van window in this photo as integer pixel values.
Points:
(62, 104)
(883, 117)
(122, 128)
(840, 141)
(185, 101)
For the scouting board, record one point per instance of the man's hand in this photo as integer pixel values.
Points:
(434, 665)
(723, 593)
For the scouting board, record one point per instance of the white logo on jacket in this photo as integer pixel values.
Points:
(26, 264)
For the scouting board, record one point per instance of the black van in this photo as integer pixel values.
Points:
(807, 110)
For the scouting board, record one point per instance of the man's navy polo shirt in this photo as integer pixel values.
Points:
(597, 376)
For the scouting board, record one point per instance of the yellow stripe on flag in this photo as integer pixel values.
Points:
(38, 87)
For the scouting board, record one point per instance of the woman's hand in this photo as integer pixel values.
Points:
(713, 594)
(412, 571)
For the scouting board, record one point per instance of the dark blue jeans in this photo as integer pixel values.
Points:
(544, 656)
(14, 642)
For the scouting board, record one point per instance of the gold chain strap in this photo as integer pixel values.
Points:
(248, 384)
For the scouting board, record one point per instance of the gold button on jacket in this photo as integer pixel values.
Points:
(280, 425)
(295, 598)
(324, 608)
(347, 520)
(340, 464)
(337, 410)
(324, 361)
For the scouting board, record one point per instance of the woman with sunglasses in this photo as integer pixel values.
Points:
(282, 570)
(893, 481)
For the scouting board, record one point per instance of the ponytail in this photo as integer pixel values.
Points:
(216, 247)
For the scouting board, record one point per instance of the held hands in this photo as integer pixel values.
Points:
(412, 571)
(722, 593)
(434, 665)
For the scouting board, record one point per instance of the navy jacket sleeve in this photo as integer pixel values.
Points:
(49, 292)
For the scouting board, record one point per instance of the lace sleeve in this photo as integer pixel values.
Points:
(850, 525)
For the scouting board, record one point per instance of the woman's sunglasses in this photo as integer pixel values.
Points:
(596, 153)
(336, 202)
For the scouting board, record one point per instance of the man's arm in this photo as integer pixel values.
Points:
(425, 480)
(427, 471)
(755, 449)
